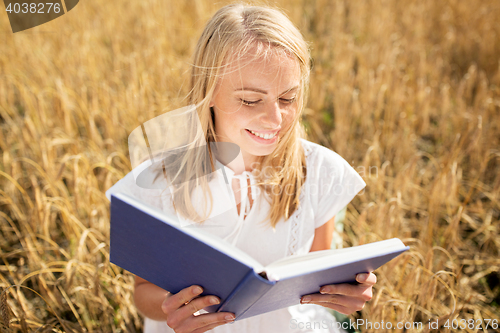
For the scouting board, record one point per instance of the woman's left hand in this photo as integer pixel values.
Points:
(344, 298)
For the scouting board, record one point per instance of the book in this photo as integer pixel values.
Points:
(152, 244)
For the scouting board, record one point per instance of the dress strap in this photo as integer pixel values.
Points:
(245, 180)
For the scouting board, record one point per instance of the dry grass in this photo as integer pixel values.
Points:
(409, 90)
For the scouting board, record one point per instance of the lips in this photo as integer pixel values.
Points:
(264, 135)
(260, 137)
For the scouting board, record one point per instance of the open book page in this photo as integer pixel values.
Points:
(320, 260)
(205, 237)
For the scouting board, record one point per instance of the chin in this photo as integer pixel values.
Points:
(262, 151)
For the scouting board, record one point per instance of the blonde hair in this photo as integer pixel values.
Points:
(232, 31)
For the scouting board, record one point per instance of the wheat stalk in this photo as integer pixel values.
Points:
(4, 308)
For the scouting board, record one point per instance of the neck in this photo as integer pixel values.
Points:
(243, 162)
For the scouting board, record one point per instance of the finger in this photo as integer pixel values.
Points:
(196, 305)
(355, 290)
(175, 301)
(348, 302)
(339, 308)
(366, 278)
(180, 317)
(226, 320)
(205, 322)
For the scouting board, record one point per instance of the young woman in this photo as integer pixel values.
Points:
(249, 82)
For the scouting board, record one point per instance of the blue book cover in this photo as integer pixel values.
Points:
(151, 244)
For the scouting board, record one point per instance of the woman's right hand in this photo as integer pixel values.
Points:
(180, 310)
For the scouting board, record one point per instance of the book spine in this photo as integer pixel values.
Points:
(249, 291)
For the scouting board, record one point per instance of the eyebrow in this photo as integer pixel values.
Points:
(265, 92)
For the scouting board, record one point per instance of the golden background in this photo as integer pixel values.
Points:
(408, 92)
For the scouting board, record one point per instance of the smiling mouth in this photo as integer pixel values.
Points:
(266, 136)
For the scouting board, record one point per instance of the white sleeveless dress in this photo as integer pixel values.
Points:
(330, 185)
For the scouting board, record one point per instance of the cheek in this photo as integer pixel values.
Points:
(225, 119)
(229, 124)
(236, 118)
(289, 116)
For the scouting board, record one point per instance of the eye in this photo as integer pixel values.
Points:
(249, 103)
(288, 100)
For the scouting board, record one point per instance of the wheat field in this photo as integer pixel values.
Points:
(408, 92)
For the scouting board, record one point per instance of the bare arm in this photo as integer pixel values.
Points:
(148, 299)
(344, 298)
(323, 236)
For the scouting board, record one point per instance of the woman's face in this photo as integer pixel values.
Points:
(255, 102)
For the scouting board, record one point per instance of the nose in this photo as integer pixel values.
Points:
(272, 115)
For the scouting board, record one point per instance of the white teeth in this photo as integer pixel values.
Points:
(264, 136)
